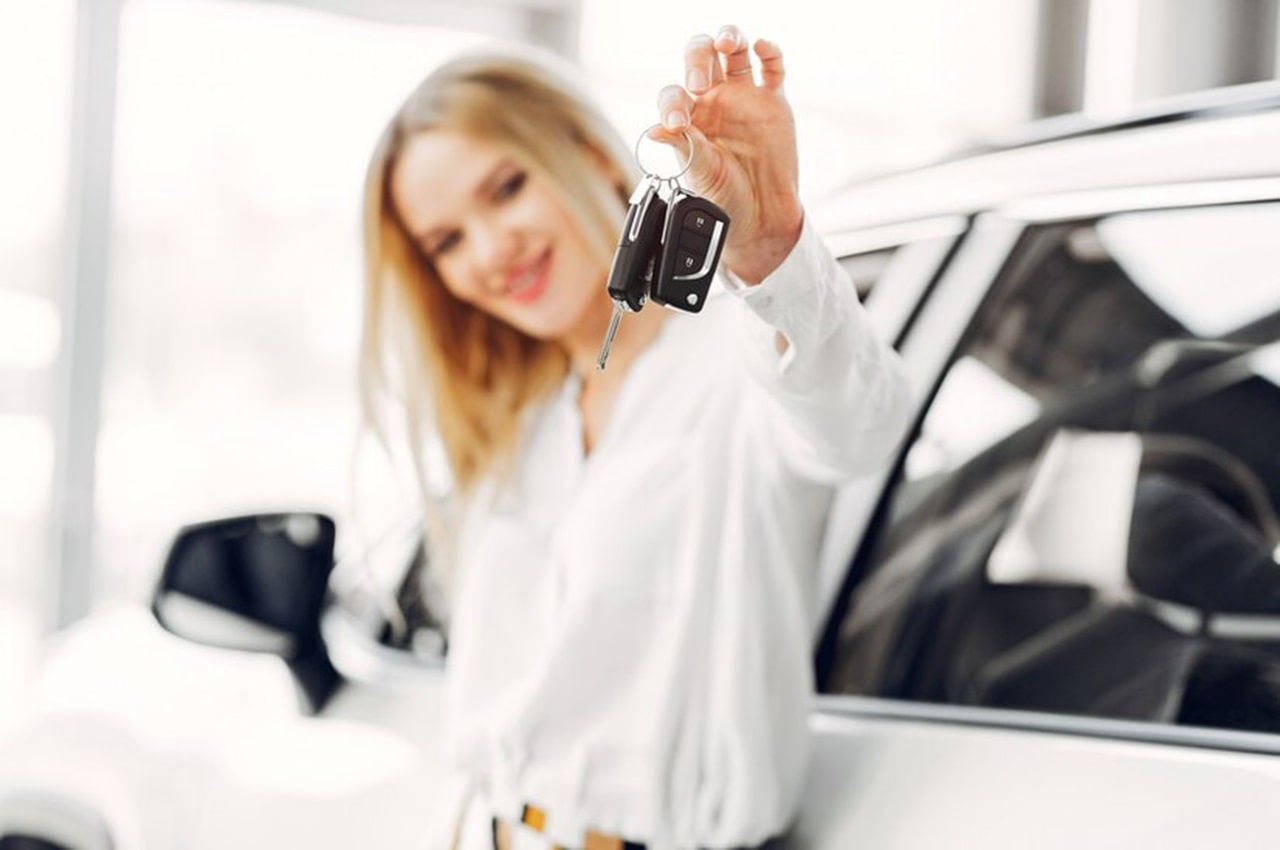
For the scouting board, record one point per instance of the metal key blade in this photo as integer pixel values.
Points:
(614, 321)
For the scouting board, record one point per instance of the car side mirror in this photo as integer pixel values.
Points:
(255, 583)
(47, 820)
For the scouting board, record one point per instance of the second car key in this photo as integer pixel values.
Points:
(635, 259)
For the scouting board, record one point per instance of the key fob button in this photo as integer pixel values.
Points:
(687, 263)
(693, 243)
(699, 222)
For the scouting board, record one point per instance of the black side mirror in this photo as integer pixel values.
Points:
(46, 820)
(255, 583)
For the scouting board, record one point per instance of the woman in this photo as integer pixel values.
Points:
(629, 551)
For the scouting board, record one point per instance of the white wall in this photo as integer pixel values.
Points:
(875, 85)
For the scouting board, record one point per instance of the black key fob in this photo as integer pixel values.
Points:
(692, 240)
(638, 247)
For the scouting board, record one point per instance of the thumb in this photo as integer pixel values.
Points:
(693, 151)
(703, 159)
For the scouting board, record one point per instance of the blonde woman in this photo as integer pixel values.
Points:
(629, 551)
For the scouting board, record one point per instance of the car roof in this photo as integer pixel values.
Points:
(1225, 135)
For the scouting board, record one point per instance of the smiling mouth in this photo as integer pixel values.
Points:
(530, 280)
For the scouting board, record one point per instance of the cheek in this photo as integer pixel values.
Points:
(453, 274)
(539, 211)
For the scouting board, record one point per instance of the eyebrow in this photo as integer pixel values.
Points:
(484, 187)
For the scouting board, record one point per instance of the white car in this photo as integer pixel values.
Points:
(1052, 622)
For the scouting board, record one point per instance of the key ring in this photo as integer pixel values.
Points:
(674, 178)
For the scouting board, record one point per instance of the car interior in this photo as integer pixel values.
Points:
(1186, 627)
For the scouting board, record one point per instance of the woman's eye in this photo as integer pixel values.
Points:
(510, 187)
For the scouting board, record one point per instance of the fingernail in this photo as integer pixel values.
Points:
(725, 32)
(697, 80)
(676, 120)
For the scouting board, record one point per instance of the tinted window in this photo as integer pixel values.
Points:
(1085, 521)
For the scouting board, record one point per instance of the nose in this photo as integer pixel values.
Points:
(493, 246)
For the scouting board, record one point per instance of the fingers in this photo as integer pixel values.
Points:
(709, 62)
(674, 108)
(675, 105)
(772, 71)
(687, 142)
(701, 65)
(731, 44)
(677, 130)
(727, 59)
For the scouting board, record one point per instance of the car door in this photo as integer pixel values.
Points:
(1061, 625)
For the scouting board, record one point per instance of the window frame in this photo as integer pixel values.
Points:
(922, 249)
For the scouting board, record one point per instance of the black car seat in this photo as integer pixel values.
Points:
(919, 616)
(1201, 540)
(1203, 530)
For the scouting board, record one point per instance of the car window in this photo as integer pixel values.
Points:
(865, 269)
(891, 267)
(1085, 521)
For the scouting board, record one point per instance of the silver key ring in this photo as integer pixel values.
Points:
(674, 178)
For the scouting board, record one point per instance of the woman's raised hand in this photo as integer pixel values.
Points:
(743, 140)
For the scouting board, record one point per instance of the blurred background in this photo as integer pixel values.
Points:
(179, 194)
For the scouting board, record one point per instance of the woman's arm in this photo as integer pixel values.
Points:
(836, 397)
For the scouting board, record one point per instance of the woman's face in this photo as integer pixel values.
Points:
(496, 234)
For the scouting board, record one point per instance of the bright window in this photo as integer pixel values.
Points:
(36, 39)
(243, 133)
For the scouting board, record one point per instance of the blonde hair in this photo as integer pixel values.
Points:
(450, 368)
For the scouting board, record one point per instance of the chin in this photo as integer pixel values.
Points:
(546, 329)
(552, 321)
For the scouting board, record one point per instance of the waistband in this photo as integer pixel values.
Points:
(478, 828)
(535, 819)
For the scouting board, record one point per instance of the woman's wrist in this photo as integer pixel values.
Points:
(753, 262)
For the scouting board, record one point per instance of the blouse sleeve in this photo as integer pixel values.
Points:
(835, 398)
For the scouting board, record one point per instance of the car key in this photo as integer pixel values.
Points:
(632, 271)
(693, 238)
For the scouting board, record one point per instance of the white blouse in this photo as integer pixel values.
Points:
(630, 647)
